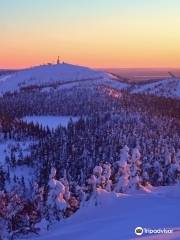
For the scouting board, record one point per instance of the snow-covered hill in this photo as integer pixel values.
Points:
(66, 75)
(116, 217)
(167, 88)
(48, 75)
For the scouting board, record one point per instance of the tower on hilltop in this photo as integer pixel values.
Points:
(58, 61)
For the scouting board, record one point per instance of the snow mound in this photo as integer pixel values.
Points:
(48, 75)
(102, 197)
(117, 218)
(166, 88)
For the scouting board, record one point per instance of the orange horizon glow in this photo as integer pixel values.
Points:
(102, 34)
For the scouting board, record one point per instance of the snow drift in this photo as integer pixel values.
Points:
(117, 217)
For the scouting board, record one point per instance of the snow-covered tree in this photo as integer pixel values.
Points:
(135, 170)
(56, 201)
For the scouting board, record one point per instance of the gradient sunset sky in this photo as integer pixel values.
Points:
(95, 33)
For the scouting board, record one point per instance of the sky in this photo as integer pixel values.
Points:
(95, 33)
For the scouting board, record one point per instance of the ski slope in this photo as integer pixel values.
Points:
(116, 217)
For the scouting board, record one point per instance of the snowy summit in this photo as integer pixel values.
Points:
(50, 75)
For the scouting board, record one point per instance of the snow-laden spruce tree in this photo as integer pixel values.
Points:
(96, 181)
(135, 170)
(81, 193)
(167, 156)
(97, 177)
(65, 182)
(122, 176)
(37, 196)
(173, 170)
(99, 186)
(178, 155)
(109, 185)
(107, 171)
(92, 184)
(56, 197)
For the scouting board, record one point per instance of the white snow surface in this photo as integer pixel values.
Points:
(5, 149)
(4, 78)
(167, 88)
(117, 216)
(57, 75)
(116, 84)
(67, 75)
(48, 74)
(18, 171)
(51, 121)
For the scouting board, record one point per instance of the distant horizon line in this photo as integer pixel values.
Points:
(93, 67)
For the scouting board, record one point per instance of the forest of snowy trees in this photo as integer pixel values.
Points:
(121, 143)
